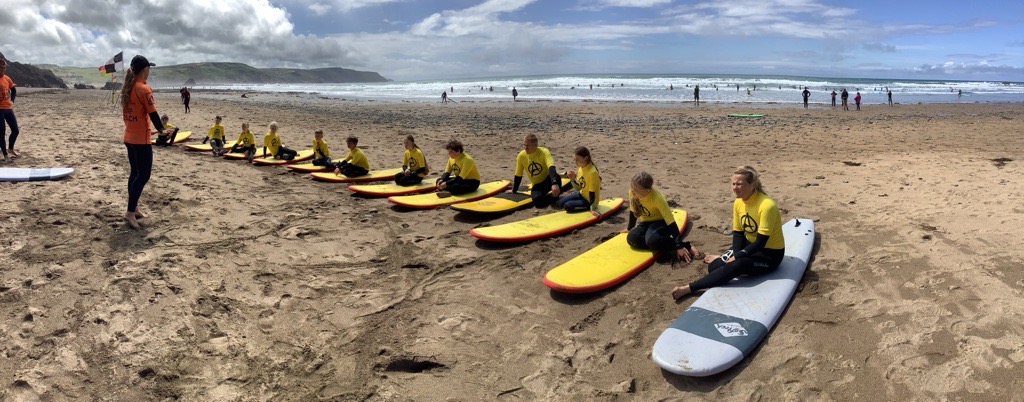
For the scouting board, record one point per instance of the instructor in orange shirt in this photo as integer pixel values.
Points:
(138, 109)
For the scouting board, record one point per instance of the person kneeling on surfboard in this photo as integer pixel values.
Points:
(757, 241)
(414, 164)
(321, 152)
(246, 142)
(538, 163)
(587, 182)
(460, 174)
(272, 143)
(657, 229)
(355, 164)
(166, 138)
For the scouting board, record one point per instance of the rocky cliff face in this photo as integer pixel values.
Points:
(25, 75)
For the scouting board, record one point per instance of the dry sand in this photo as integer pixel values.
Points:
(255, 283)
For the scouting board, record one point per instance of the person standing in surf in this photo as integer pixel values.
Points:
(7, 94)
(657, 229)
(514, 94)
(696, 95)
(138, 109)
(807, 96)
(758, 245)
(845, 97)
(536, 161)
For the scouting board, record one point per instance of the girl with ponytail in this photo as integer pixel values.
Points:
(138, 109)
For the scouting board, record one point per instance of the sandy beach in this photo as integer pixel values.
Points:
(257, 283)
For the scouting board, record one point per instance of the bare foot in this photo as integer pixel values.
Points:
(139, 215)
(680, 291)
(708, 258)
(14, 153)
(129, 218)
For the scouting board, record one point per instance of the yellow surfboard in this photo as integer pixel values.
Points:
(547, 225)
(374, 175)
(505, 202)
(204, 147)
(241, 155)
(305, 154)
(605, 265)
(181, 137)
(431, 200)
(390, 189)
(308, 168)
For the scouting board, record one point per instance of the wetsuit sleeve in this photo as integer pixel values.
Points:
(14, 93)
(593, 200)
(515, 184)
(737, 240)
(754, 247)
(155, 118)
(555, 178)
(444, 177)
(632, 221)
(673, 230)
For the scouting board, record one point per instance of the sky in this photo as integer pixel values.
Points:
(407, 40)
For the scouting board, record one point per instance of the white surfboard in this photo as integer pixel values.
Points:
(726, 323)
(34, 174)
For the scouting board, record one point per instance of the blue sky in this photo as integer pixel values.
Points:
(410, 40)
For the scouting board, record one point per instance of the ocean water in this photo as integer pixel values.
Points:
(655, 88)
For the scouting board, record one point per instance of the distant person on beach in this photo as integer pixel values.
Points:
(216, 135)
(807, 96)
(959, 92)
(833, 98)
(414, 164)
(166, 138)
(272, 145)
(536, 161)
(246, 143)
(845, 97)
(890, 97)
(514, 94)
(186, 97)
(321, 152)
(460, 173)
(651, 223)
(856, 100)
(696, 94)
(758, 245)
(138, 109)
(7, 94)
(669, 87)
(586, 180)
(355, 164)
(444, 97)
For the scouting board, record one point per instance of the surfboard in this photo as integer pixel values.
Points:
(547, 225)
(605, 265)
(390, 189)
(241, 155)
(501, 203)
(34, 174)
(431, 200)
(305, 154)
(204, 147)
(308, 168)
(374, 175)
(181, 137)
(726, 323)
(745, 115)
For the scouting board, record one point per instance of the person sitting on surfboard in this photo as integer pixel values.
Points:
(166, 138)
(414, 164)
(460, 174)
(272, 143)
(321, 152)
(538, 163)
(657, 229)
(757, 241)
(216, 137)
(355, 164)
(246, 142)
(587, 182)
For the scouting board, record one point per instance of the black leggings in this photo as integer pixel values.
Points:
(140, 158)
(653, 235)
(325, 161)
(285, 153)
(350, 170)
(720, 273)
(249, 150)
(410, 179)
(457, 185)
(7, 118)
(541, 194)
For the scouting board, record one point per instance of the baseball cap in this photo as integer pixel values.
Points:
(140, 62)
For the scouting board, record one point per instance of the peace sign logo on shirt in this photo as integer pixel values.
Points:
(456, 169)
(535, 168)
(412, 163)
(748, 224)
(640, 209)
(582, 182)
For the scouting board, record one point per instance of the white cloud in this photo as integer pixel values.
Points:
(321, 7)
(634, 3)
